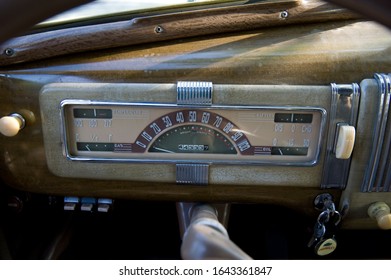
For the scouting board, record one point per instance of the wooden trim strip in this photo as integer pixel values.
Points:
(167, 27)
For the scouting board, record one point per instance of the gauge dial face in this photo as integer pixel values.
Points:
(160, 133)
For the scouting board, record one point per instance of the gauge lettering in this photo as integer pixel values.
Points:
(146, 136)
(155, 128)
(228, 127)
(94, 137)
(205, 117)
(306, 129)
(167, 121)
(108, 123)
(93, 123)
(243, 146)
(218, 121)
(293, 128)
(237, 136)
(279, 127)
(78, 123)
(179, 117)
(141, 144)
(192, 116)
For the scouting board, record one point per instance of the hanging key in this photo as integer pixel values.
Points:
(319, 232)
(324, 217)
(328, 220)
(328, 243)
(335, 218)
(323, 201)
(319, 228)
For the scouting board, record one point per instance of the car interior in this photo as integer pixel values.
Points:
(252, 129)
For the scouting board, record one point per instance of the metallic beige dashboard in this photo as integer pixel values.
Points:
(95, 131)
(263, 80)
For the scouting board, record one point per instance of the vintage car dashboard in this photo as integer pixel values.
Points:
(204, 127)
(260, 114)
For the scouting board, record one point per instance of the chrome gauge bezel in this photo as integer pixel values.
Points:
(311, 162)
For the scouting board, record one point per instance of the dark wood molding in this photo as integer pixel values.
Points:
(167, 27)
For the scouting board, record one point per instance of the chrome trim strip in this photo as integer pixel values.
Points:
(192, 174)
(378, 133)
(386, 176)
(344, 111)
(385, 137)
(67, 154)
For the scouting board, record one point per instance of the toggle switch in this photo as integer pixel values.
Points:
(345, 141)
(381, 212)
(12, 124)
(87, 204)
(104, 204)
(70, 203)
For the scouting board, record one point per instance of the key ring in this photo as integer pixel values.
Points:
(324, 217)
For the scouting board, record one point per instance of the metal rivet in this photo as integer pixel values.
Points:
(159, 29)
(9, 52)
(284, 14)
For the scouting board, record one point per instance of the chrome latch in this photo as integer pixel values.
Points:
(194, 93)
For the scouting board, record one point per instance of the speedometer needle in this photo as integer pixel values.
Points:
(164, 150)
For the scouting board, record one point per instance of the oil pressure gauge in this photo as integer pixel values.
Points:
(138, 132)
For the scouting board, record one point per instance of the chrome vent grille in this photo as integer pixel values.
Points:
(378, 174)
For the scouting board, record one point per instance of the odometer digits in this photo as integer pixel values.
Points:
(192, 139)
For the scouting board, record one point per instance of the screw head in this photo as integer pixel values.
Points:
(9, 52)
(284, 14)
(159, 29)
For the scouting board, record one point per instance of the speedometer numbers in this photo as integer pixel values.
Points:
(192, 131)
(155, 133)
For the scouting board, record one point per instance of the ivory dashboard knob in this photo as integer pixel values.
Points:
(10, 125)
(381, 212)
(345, 143)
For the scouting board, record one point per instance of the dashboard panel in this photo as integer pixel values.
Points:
(275, 126)
(100, 132)
(279, 73)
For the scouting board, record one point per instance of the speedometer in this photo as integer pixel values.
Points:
(138, 132)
